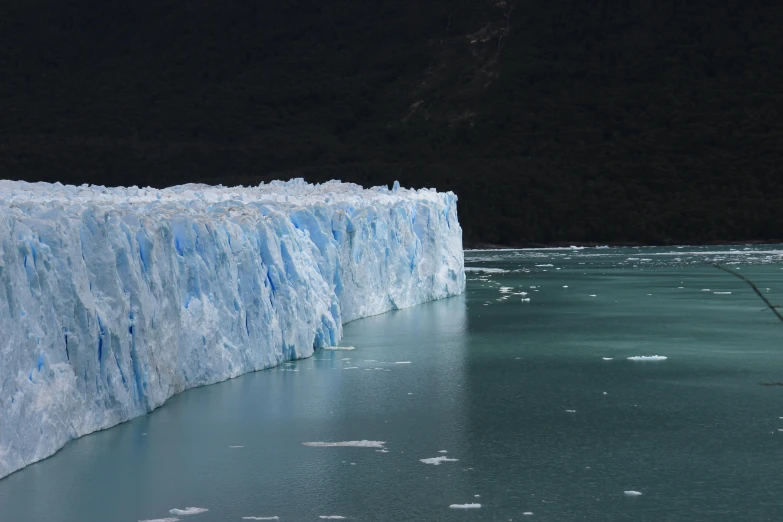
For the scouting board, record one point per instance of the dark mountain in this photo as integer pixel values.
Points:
(570, 120)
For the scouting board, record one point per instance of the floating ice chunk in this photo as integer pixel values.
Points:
(506, 289)
(705, 289)
(465, 506)
(332, 517)
(402, 362)
(437, 460)
(546, 265)
(632, 493)
(236, 447)
(565, 286)
(351, 368)
(593, 295)
(721, 293)
(168, 519)
(607, 358)
(341, 348)
(188, 511)
(648, 358)
(382, 451)
(442, 451)
(525, 299)
(348, 443)
(487, 270)
(528, 513)
(570, 411)
(261, 518)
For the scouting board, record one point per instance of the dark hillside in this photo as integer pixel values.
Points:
(574, 120)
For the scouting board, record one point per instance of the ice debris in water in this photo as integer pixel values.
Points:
(437, 460)
(487, 270)
(442, 451)
(261, 518)
(648, 358)
(339, 348)
(188, 511)
(465, 506)
(348, 443)
(168, 519)
(721, 293)
(607, 358)
(632, 493)
(217, 281)
(332, 517)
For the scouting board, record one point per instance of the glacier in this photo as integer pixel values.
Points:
(114, 299)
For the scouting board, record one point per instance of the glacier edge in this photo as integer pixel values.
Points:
(112, 300)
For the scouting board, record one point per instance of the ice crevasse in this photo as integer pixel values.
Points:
(114, 299)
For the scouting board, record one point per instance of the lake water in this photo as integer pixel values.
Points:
(518, 391)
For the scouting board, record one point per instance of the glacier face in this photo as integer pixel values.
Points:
(114, 299)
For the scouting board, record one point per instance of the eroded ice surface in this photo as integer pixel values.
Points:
(115, 299)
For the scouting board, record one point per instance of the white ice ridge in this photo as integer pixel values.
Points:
(115, 299)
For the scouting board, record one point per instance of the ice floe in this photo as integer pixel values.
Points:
(188, 511)
(437, 460)
(487, 270)
(648, 358)
(465, 506)
(347, 444)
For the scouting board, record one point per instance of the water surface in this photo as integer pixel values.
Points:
(536, 399)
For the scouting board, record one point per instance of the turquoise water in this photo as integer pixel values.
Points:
(490, 379)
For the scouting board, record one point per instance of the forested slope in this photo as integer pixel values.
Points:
(654, 121)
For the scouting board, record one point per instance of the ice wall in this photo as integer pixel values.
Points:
(114, 299)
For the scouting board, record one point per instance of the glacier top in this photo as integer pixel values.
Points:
(296, 191)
